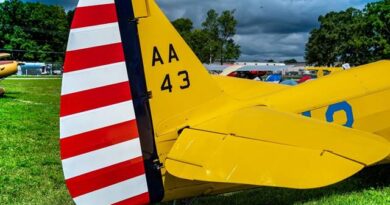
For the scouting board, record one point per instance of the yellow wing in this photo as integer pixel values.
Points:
(4, 55)
(349, 84)
(272, 149)
(366, 90)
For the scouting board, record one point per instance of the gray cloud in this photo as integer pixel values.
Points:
(267, 29)
(67, 4)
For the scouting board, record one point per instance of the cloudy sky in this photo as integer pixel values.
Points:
(267, 29)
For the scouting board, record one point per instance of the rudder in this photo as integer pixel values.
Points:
(176, 79)
(107, 142)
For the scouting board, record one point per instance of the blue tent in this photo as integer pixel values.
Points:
(274, 78)
(289, 82)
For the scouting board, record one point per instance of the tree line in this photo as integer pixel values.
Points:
(33, 31)
(351, 36)
(39, 32)
(213, 42)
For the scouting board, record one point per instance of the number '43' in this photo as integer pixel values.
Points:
(167, 84)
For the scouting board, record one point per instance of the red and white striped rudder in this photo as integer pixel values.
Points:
(100, 146)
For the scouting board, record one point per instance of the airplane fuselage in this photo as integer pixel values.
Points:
(360, 112)
(8, 68)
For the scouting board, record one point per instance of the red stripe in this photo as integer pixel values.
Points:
(105, 177)
(94, 98)
(93, 57)
(137, 200)
(98, 139)
(94, 15)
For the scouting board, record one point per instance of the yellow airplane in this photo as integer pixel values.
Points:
(145, 122)
(324, 71)
(7, 68)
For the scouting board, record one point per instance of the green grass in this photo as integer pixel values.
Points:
(31, 173)
(30, 167)
(35, 76)
(369, 187)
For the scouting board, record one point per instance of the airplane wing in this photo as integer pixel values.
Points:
(362, 93)
(4, 55)
(260, 146)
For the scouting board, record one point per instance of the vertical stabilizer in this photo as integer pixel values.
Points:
(107, 146)
(176, 79)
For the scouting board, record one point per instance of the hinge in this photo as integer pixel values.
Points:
(141, 9)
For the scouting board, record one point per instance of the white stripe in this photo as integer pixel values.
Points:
(95, 119)
(102, 158)
(115, 193)
(96, 77)
(83, 3)
(94, 36)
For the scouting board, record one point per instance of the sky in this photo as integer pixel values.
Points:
(267, 29)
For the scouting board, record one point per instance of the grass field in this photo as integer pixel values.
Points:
(30, 167)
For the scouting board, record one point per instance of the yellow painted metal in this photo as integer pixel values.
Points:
(349, 84)
(141, 8)
(158, 38)
(231, 159)
(263, 118)
(262, 123)
(242, 89)
(371, 113)
(8, 69)
(295, 152)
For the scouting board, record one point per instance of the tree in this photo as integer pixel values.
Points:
(220, 29)
(214, 40)
(351, 36)
(271, 61)
(33, 31)
(379, 18)
(69, 16)
(227, 29)
(211, 28)
(231, 50)
(198, 43)
(290, 61)
(184, 26)
(322, 46)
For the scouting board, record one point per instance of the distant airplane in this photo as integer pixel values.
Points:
(142, 121)
(7, 68)
(324, 71)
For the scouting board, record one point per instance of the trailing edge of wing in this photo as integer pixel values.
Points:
(258, 146)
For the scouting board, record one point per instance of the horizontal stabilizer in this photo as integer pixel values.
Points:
(259, 146)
